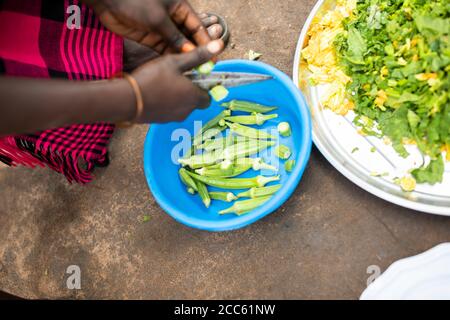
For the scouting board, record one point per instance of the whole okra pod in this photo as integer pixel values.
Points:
(216, 144)
(260, 192)
(246, 149)
(237, 183)
(187, 179)
(223, 196)
(246, 106)
(233, 171)
(203, 193)
(245, 206)
(255, 119)
(249, 132)
(201, 160)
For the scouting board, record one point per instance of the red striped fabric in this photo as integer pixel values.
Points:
(35, 41)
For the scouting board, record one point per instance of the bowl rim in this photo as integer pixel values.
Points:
(279, 199)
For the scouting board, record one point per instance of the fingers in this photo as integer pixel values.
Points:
(203, 98)
(215, 31)
(171, 34)
(190, 60)
(185, 17)
(209, 20)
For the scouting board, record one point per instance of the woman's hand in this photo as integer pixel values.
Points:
(163, 25)
(30, 105)
(167, 94)
(136, 54)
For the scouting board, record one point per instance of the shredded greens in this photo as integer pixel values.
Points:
(397, 53)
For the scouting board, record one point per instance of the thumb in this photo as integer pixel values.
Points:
(198, 56)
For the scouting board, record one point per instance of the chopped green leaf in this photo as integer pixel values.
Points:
(253, 56)
(431, 174)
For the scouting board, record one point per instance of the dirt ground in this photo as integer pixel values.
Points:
(318, 245)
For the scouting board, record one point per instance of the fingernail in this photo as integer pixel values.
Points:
(214, 47)
(187, 47)
(216, 28)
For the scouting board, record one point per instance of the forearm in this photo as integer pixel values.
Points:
(28, 105)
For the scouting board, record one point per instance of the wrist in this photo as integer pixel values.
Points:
(116, 100)
(126, 100)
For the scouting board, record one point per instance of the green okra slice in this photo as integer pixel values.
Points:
(256, 163)
(283, 152)
(245, 206)
(289, 165)
(284, 128)
(260, 192)
(219, 93)
(249, 132)
(223, 196)
(246, 106)
(203, 193)
(206, 68)
(187, 179)
(255, 119)
(246, 149)
(236, 183)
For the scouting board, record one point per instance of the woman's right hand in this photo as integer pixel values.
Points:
(167, 94)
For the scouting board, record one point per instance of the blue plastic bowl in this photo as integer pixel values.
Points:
(162, 173)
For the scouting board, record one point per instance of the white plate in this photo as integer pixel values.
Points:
(423, 277)
(336, 137)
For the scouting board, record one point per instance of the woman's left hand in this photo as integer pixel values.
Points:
(158, 24)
